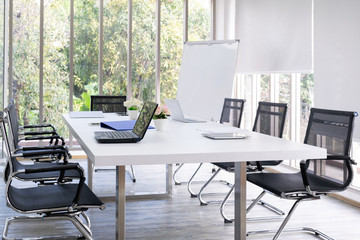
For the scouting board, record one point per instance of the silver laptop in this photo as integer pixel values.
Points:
(177, 114)
(228, 135)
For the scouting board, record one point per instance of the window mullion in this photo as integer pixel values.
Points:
(71, 63)
(10, 52)
(7, 67)
(213, 20)
(101, 45)
(129, 50)
(41, 65)
(185, 20)
(157, 51)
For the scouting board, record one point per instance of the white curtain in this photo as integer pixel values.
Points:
(275, 35)
(337, 56)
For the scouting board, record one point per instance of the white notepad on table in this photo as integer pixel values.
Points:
(87, 114)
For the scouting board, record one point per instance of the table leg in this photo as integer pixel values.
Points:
(120, 203)
(90, 174)
(169, 173)
(240, 201)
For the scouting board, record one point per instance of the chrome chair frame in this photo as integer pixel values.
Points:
(71, 213)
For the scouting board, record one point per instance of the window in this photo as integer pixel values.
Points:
(56, 61)
(171, 43)
(278, 88)
(115, 47)
(199, 20)
(26, 45)
(86, 49)
(143, 55)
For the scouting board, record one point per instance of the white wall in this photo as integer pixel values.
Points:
(337, 56)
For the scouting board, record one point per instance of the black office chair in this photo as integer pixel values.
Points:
(269, 120)
(40, 130)
(111, 104)
(61, 201)
(231, 114)
(108, 104)
(13, 165)
(40, 152)
(328, 129)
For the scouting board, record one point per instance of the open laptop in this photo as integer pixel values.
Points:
(177, 114)
(130, 136)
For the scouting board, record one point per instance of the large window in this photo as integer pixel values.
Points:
(50, 36)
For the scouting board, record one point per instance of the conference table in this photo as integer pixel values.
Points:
(184, 143)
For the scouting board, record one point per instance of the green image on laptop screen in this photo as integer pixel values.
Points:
(144, 118)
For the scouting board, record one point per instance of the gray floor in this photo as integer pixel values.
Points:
(181, 217)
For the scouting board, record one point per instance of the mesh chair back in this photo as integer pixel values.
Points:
(270, 120)
(232, 111)
(331, 130)
(13, 124)
(108, 103)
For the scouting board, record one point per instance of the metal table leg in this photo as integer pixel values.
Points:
(90, 174)
(120, 203)
(240, 201)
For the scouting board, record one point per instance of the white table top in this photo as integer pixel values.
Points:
(183, 143)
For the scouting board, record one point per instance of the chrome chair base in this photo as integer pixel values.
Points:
(301, 229)
(72, 217)
(286, 220)
(175, 172)
(253, 203)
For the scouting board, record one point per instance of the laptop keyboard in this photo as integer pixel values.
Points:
(119, 134)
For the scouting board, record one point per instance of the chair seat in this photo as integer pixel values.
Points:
(51, 197)
(282, 183)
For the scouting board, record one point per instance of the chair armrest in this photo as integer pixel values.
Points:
(259, 166)
(33, 153)
(39, 133)
(38, 152)
(39, 126)
(54, 137)
(43, 148)
(304, 166)
(337, 157)
(53, 169)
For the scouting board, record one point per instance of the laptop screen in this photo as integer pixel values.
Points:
(144, 119)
